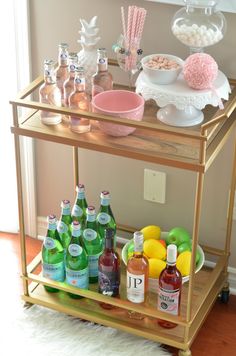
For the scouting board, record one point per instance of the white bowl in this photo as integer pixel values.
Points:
(153, 282)
(162, 76)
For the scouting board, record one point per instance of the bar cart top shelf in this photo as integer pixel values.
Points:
(188, 148)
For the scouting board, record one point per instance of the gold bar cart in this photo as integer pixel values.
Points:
(194, 149)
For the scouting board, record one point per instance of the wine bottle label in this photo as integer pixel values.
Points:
(93, 264)
(62, 227)
(89, 234)
(54, 271)
(108, 282)
(77, 278)
(75, 250)
(49, 243)
(104, 218)
(102, 64)
(135, 287)
(77, 211)
(168, 301)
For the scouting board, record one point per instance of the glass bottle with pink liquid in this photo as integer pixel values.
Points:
(69, 83)
(78, 99)
(62, 71)
(137, 275)
(169, 292)
(102, 80)
(49, 94)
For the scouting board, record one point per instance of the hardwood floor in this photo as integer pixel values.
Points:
(217, 336)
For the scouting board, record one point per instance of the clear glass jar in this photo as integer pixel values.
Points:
(199, 24)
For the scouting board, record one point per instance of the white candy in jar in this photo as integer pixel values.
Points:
(198, 36)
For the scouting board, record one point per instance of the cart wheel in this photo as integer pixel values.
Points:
(185, 352)
(224, 296)
(27, 305)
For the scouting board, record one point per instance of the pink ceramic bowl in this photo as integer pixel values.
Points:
(120, 103)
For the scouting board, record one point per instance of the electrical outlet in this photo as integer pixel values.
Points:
(154, 186)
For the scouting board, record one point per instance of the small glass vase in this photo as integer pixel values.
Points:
(199, 24)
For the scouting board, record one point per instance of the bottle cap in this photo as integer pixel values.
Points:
(76, 225)
(90, 210)
(105, 194)
(51, 218)
(65, 204)
(79, 188)
(138, 241)
(171, 254)
(63, 45)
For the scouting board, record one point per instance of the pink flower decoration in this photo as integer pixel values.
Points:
(200, 71)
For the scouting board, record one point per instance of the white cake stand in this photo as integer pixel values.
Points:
(180, 105)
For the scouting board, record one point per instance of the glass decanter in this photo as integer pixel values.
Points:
(199, 24)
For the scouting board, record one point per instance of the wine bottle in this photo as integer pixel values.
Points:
(169, 291)
(64, 224)
(105, 217)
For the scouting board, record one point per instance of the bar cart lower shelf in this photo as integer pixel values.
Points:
(208, 284)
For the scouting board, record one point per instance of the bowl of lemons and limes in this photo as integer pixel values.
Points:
(155, 248)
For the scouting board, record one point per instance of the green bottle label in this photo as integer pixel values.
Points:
(54, 271)
(105, 201)
(93, 264)
(75, 250)
(89, 234)
(78, 279)
(49, 243)
(62, 227)
(77, 211)
(104, 218)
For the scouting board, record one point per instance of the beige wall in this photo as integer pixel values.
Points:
(55, 21)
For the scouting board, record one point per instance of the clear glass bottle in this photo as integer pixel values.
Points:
(105, 217)
(80, 206)
(102, 80)
(68, 85)
(137, 275)
(109, 269)
(62, 71)
(92, 243)
(78, 99)
(64, 224)
(199, 24)
(77, 271)
(49, 94)
(52, 255)
(169, 291)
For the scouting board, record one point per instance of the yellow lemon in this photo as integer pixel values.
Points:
(151, 232)
(155, 267)
(183, 263)
(154, 249)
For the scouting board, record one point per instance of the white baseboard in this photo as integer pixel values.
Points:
(42, 228)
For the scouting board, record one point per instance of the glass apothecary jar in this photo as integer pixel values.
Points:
(199, 24)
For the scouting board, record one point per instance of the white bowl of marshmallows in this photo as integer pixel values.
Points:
(162, 68)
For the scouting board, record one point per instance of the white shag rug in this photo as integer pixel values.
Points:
(39, 331)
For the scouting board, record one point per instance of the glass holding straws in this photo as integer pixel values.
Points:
(127, 48)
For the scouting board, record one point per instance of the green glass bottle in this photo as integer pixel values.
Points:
(105, 217)
(64, 224)
(52, 255)
(92, 243)
(79, 208)
(77, 271)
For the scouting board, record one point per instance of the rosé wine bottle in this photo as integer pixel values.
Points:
(137, 275)
(169, 292)
(62, 71)
(78, 99)
(68, 85)
(102, 80)
(49, 94)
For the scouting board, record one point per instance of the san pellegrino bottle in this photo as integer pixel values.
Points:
(52, 255)
(105, 217)
(64, 224)
(169, 291)
(62, 71)
(80, 206)
(69, 83)
(92, 243)
(109, 269)
(102, 80)
(49, 94)
(78, 99)
(137, 272)
(77, 271)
